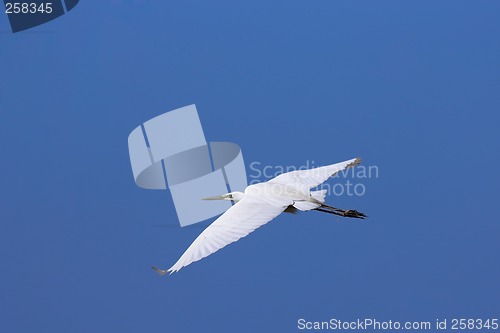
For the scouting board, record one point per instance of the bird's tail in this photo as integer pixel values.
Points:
(317, 200)
(319, 195)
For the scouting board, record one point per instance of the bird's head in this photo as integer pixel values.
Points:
(233, 196)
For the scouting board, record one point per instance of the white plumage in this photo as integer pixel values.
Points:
(259, 204)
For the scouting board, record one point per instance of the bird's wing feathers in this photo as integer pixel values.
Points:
(311, 178)
(253, 212)
(238, 221)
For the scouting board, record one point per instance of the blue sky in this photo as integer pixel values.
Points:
(411, 87)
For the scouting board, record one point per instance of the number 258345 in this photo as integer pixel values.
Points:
(28, 8)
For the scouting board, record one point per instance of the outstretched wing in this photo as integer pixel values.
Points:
(238, 221)
(307, 179)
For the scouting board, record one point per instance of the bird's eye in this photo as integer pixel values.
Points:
(230, 196)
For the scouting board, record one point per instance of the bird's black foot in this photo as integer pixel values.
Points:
(341, 212)
(353, 213)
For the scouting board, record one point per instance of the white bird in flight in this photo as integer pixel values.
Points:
(260, 203)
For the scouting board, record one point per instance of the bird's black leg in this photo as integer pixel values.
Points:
(341, 212)
(335, 212)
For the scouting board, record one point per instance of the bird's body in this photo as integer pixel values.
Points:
(259, 204)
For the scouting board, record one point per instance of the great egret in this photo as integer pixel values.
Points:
(259, 204)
